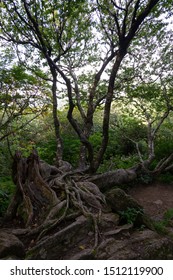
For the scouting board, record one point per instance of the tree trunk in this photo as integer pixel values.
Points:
(118, 177)
(59, 145)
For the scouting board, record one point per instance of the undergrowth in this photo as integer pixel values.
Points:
(161, 226)
(6, 191)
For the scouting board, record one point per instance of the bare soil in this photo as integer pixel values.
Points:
(156, 198)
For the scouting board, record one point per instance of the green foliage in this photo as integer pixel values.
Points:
(125, 130)
(23, 97)
(71, 149)
(163, 147)
(126, 161)
(116, 162)
(161, 226)
(166, 178)
(145, 179)
(130, 214)
(47, 150)
(95, 139)
(4, 201)
(60, 37)
(7, 189)
(5, 160)
(120, 153)
(168, 215)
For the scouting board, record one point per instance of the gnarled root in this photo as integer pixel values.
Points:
(48, 200)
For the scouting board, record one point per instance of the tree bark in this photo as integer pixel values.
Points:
(115, 178)
(59, 145)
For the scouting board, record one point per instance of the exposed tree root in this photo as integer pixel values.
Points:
(50, 200)
(44, 200)
(64, 208)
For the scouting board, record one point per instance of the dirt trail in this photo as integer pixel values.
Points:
(155, 198)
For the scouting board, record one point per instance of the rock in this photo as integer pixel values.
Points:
(10, 246)
(109, 219)
(64, 166)
(87, 254)
(140, 246)
(158, 202)
(75, 242)
(128, 208)
(143, 219)
(120, 201)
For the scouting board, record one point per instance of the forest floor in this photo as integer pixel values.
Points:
(156, 198)
(121, 242)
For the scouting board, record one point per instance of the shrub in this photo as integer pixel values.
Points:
(161, 225)
(47, 149)
(4, 201)
(166, 178)
(163, 147)
(130, 215)
(7, 189)
(118, 162)
(71, 146)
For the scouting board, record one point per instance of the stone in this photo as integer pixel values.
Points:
(158, 202)
(87, 254)
(142, 245)
(11, 246)
(109, 219)
(118, 200)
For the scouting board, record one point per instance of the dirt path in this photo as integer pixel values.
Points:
(155, 198)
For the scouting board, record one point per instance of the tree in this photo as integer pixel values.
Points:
(50, 28)
(67, 39)
(148, 89)
(22, 94)
(59, 34)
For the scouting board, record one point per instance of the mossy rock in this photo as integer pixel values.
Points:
(118, 200)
